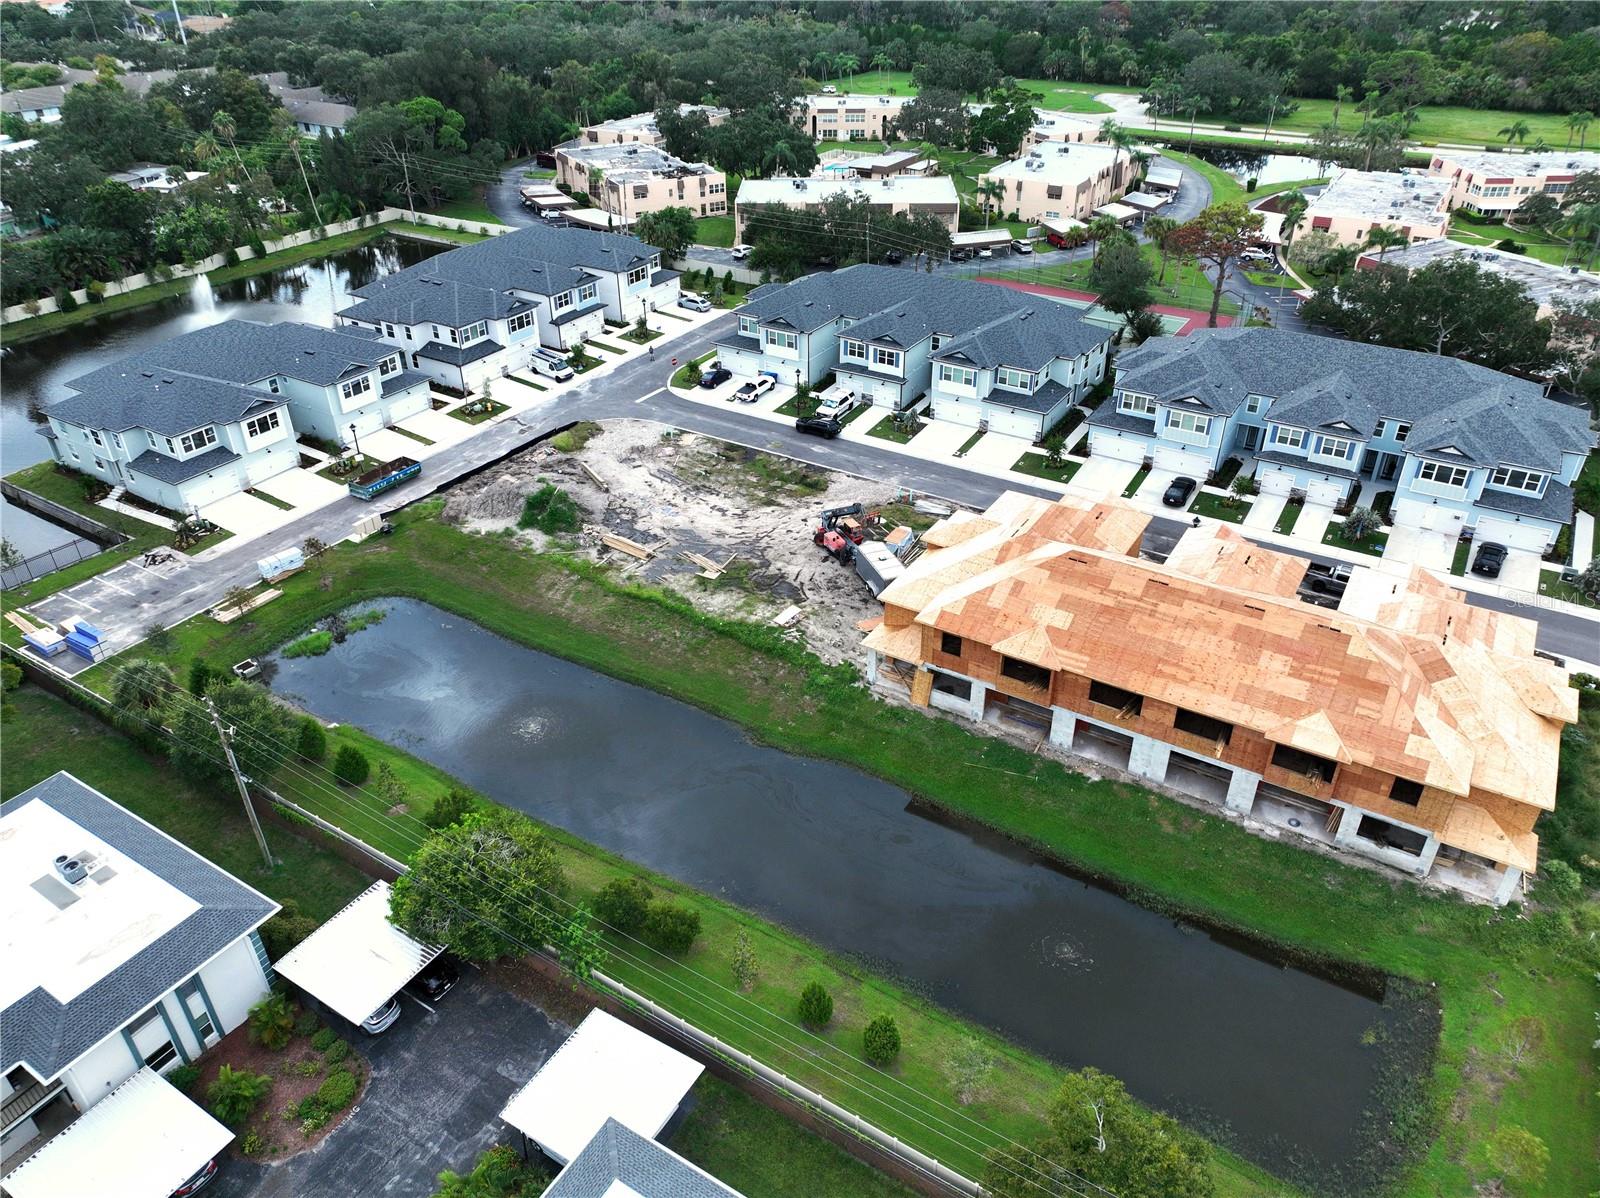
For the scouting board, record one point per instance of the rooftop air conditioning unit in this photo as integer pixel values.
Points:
(71, 869)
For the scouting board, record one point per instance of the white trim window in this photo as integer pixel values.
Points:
(856, 351)
(388, 330)
(938, 340)
(957, 376)
(638, 275)
(586, 293)
(199, 439)
(262, 425)
(522, 320)
(747, 326)
(1193, 424)
(1333, 447)
(1290, 438)
(889, 359)
(1512, 478)
(475, 332)
(1014, 379)
(388, 366)
(354, 387)
(1138, 405)
(1441, 474)
(1257, 404)
(1397, 430)
(780, 340)
(94, 435)
(561, 301)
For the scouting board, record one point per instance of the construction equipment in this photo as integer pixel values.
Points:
(878, 566)
(851, 521)
(834, 545)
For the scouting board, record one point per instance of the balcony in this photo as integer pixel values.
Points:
(25, 1101)
(1420, 486)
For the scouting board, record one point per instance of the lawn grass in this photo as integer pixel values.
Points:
(1220, 507)
(640, 336)
(364, 462)
(1186, 284)
(969, 443)
(714, 230)
(1552, 585)
(885, 430)
(1477, 127)
(1034, 465)
(1534, 243)
(472, 208)
(1373, 543)
(48, 734)
(797, 405)
(281, 504)
(1054, 94)
(526, 382)
(1288, 518)
(1137, 481)
(855, 413)
(405, 432)
(489, 409)
(604, 346)
(1458, 563)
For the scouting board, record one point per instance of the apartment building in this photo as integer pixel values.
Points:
(1051, 125)
(1461, 447)
(1357, 202)
(1493, 183)
(214, 412)
(632, 179)
(1060, 179)
(1544, 282)
(125, 952)
(479, 312)
(850, 118)
(640, 129)
(969, 353)
(314, 112)
(899, 195)
(1413, 729)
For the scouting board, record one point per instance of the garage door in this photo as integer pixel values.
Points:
(1323, 491)
(1017, 424)
(1275, 482)
(1511, 534)
(1410, 513)
(1193, 464)
(1121, 449)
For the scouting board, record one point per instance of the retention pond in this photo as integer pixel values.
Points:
(1285, 1065)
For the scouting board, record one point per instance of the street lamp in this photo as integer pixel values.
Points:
(355, 439)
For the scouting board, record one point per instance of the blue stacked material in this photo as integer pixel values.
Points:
(44, 646)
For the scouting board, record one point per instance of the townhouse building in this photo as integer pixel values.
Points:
(899, 194)
(1356, 202)
(1060, 179)
(1544, 282)
(1418, 731)
(641, 129)
(631, 179)
(313, 111)
(965, 352)
(479, 312)
(216, 411)
(850, 118)
(125, 951)
(1493, 183)
(1459, 446)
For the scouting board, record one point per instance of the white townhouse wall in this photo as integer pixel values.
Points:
(641, 127)
(1357, 202)
(1057, 179)
(897, 337)
(124, 949)
(849, 118)
(1460, 447)
(480, 311)
(1493, 183)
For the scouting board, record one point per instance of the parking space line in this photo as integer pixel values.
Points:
(652, 395)
(418, 1001)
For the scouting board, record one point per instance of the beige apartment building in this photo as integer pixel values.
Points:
(1058, 179)
(636, 178)
(1049, 125)
(1356, 202)
(640, 129)
(850, 118)
(1493, 183)
(898, 194)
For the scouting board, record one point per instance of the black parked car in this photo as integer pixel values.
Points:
(894, 257)
(1178, 492)
(1489, 560)
(435, 980)
(715, 375)
(818, 426)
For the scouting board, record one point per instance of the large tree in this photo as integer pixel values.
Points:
(1218, 236)
(670, 230)
(1122, 277)
(489, 886)
(938, 114)
(1004, 121)
(264, 732)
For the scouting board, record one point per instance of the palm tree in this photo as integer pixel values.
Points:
(1539, 146)
(1339, 261)
(823, 64)
(284, 125)
(1579, 122)
(992, 192)
(1118, 139)
(222, 125)
(1385, 239)
(1341, 94)
(1293, 206)
(780, 159)
(1585, 219)
(1159, 229)
(1516, 131)
(847, 64)
(1099, 229)
(881, 63)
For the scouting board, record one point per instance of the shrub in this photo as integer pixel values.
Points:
(309, 1067)
(337, 1051)
(235, 1093)
(325, 1039)
(337, 1091)
(1362, 523)
(313, 644)
(311, 742)
(351, 766)
(1559, 881)
(200, 676)
(880, 1042)
(96, 291)
(744, 961)
(622, 904)
(550, 510)
(815, 1007)
(66, 301)
(285, 930)
(183, 1077)
(252, 1144)
(272, 1022)
(671, 927)
(449, 807)
(305, 1023)
(312, 1124)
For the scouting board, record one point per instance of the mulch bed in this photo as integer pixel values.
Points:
(281, 1136)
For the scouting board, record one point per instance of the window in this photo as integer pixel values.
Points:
(960, 376)
(1052, 192)
(194, 1005)
(1204, 726)
(1025, 672)
(1333, 447)
(889, 358)
(1307, 764)
(1517, 480)
(950, 643)
(522, 320)
(1107, 695)
(358, 386)
(1017, 380)
(94, 435)
(1189, 422)
(782, 340)
(1404, 790)
(388, 330)
(586, 293)
(115, 440)
(854, 349)
(261, 425)
(198, 439)
(272, 385)
(747, 326)
(474, 332)
(171, 448)
(641, 191)
(938, 340)
(564, 300)
(1442, 475)
(1142, 405)
(1256, 403)
(638, 275)
(1399, 430)
(1294, 438)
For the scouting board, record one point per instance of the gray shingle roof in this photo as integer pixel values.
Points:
(458, 355)
(48, 1035)
(1315, 381)
(177, 470)
(164, 402)
(618, 1154)
(1555, 504)
(246, 351)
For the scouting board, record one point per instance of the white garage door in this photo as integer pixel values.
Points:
(1323, 491)
(1510, 534)
(1122, 449)
(1017, 424)
(1193, 464)
(1274, 482)
(1411, 513)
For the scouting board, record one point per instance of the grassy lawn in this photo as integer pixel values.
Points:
(1551, 584)
(484, 409)
(1543, 246)
(472, 208)
(714, 230)
(604, 347)
(281, 504)
(1288, 518)
(1063, 97)
(1477, 127)
(886, 430)
(797, 405)
(1186, 285)
(49, 734)
(968, 444)
(364, 462)
(1219, 507)
(1492, 971)
(405, 432)
(405, 228)
(1373, 543)
(1458, 563)
(1034, 464)
(1137, 481)
(526, 382)
(640, 336)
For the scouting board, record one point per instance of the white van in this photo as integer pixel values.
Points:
(550, 364)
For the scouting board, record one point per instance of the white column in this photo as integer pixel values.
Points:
(1241, 796)
(1508, 889)
(1430, 850)
(1063, 724)
(872, 667)
(980, 691)
(1348, 823)
(1148, 758)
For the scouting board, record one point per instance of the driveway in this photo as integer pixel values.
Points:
(439, 1081)
(1313, 522)
(1427, 547)
(1103, 476)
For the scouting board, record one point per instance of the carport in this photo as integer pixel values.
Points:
(142, 1140)
(358, 960)
(605, 1070)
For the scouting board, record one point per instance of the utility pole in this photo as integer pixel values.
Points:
(177, 18)
(405, 165)
(225, 735)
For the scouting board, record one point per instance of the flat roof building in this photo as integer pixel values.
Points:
(1356, 202)
(897, 194)
(1062, 179)
(1494, 182)
(640, 129)
(1543, 281)
(850, 118)
(631, 179)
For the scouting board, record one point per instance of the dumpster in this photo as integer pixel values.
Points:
(381, 478)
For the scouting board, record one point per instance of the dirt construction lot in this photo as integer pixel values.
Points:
(681, 493)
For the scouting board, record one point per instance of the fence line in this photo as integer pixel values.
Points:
(40, 564)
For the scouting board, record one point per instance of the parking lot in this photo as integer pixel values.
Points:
(439, 1081)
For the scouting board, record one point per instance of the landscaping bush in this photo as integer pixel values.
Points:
(183, 1077)
(313, 644)
(324, 1040)
(449, 807)
(671, 927)
(235, 1093)
(305, 1023)
(272, 1022)
(337, 1091)
(815, 1007)
(351, 766)
(1559, 882)
(1510, 246)
(622, 904)
(337, 1052)
(309, 1067)
(550, 510)
(286, 929)
(312, 742)
(200, 676)
(66, 301)
(252, 1144)
(880, 1041)
(1362, 523)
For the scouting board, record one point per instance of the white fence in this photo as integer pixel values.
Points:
(742, 274)
(244, 253)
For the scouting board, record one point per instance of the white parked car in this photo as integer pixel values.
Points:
(754, 389)
(550, 364)
(741, 251)
(985, 252)
(829, 90)
(1256, 254)
(693, 302)
(382, 1019)
(838, 406)
(1021, 246)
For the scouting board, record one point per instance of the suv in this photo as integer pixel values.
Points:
(818, 426)
(714, 373)
(1256, 254)
(1490, 558)
(1020, 245)
(550, 364)
(837, 406)
(741, 252)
